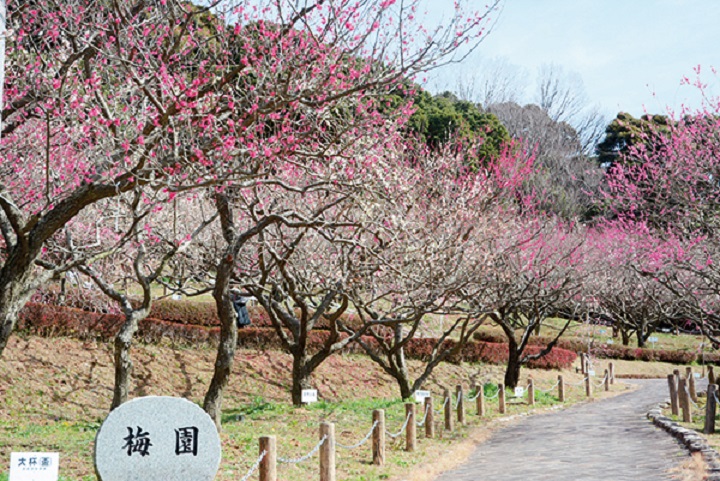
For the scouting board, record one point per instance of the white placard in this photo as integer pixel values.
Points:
(591, 373)
(652, 339)
(421, 395)
(34, 466)
(610, 342)
(602, 331)
(176, 297)
(308, 396)
(519, 391)
(696, 375)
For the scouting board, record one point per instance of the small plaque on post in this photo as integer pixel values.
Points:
(519, 391)
(421, 395)
(34, 466)
(591, 373)
(308, 396)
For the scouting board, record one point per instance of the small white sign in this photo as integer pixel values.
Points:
(421, 395)
(696, 375)
(519, 391)
(34, 466)
(653, 339)
(308, 396)
(602, 331)
(610, 342)
(591, 373)
(176, 297)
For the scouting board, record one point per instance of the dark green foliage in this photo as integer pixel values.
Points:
(626, 131)
(444, 118)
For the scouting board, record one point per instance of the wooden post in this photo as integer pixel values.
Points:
(448, 410)
(480, 399)
(268, 465)
(531, 392)
(676, 373)
(460, 405)
(611, 368)
(685, 400)
(561, 388)
(588, 386)
(607, 379)
(710, 409)
(501, 398)
(673, 394)
(583, 364)
(711, 375)
(430, 418)
(691, 384)
(378, 437)
(411, 429)
(327, 452)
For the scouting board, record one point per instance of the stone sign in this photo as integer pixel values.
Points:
(157, 437)
(34, 466)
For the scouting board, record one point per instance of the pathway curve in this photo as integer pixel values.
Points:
(608, 440)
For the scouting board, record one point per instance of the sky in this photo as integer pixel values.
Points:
(630, 54)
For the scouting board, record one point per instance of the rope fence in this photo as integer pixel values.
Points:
(362, 441)
(268, 460)
(254, 466)
(402, 429)
(307, 456)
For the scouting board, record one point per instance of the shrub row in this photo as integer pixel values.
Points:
(613, 351)
(192, 312)
(50, 320)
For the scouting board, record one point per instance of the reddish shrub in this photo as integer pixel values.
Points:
(490, 353)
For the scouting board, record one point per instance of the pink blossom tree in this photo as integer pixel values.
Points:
(105, 98)
(434, 237)
(535, 275)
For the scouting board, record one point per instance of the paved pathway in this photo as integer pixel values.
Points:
(609, 440)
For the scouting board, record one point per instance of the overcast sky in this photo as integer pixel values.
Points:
(630, 54)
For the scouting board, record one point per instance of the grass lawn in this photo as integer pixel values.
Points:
(56, 393)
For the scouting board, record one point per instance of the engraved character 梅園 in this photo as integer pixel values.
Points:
(138, 442)
(186, 441)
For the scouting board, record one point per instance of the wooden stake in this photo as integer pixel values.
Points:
(268, 465)
(327, 452)
(460, 405)
(430, 419)
(501, 398)
(480, 400)
(411, 429)
(448, 410)
(531, 392)
(710, 409)
(673, 394)
(378, 438)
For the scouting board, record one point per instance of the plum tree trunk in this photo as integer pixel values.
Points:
(300, 378)
(512, 371)
(123, 361)
(16, 288)
(228, 338)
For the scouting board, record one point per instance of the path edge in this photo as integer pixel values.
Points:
(692, 440)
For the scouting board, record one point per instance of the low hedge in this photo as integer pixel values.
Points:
(51, 320)
(613, 351)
